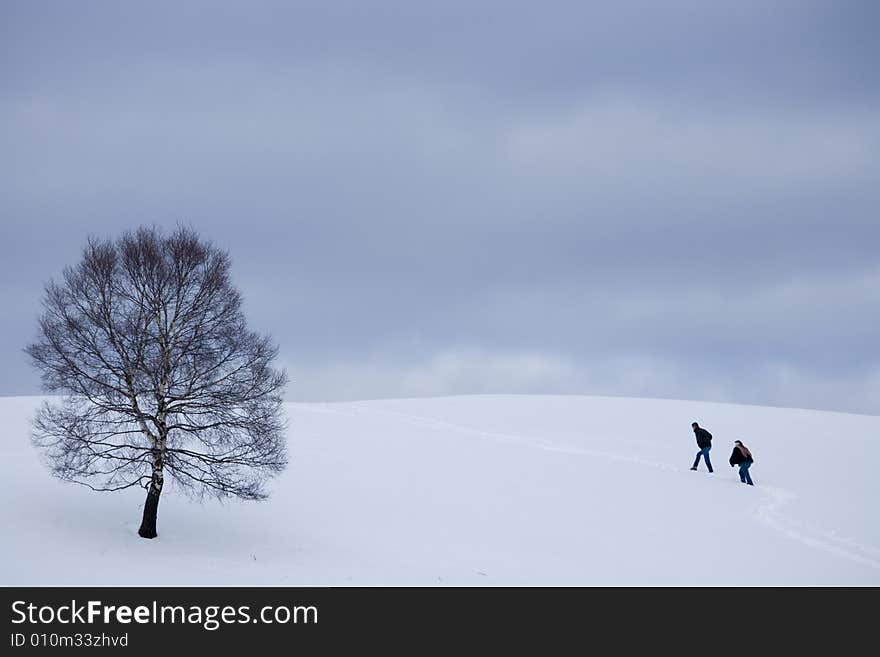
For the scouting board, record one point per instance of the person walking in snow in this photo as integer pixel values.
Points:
(704, 442)
(743, 457)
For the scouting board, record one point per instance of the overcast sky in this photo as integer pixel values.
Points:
(664, 199)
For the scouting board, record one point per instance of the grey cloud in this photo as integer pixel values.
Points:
(668, 199)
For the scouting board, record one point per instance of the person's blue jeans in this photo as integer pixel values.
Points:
(744, 473)
(704, 452)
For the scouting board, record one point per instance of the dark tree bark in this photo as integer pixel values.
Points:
(146, 341)
(151, 511)
(151, 505)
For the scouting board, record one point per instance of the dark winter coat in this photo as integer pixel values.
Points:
(704, 438)
(741, 454)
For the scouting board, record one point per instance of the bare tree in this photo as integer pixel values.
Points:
(146, 340)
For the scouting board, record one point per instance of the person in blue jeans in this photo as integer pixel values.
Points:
(704, 442)
(743, 457)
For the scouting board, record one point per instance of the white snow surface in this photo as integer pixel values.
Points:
(481, 490)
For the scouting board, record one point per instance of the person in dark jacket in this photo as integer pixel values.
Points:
(743, 457)
(704, 442)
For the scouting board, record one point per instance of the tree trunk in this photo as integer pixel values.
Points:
(151, 506)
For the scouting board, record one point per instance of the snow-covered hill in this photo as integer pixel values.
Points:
(482, 490)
